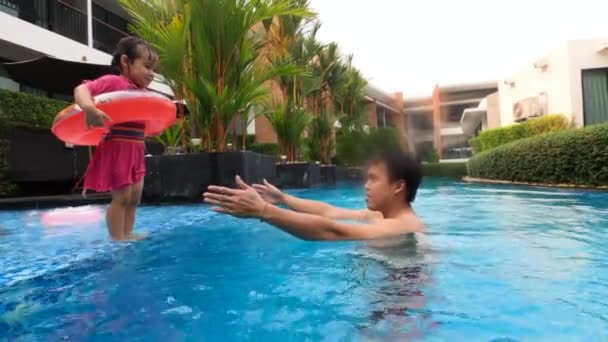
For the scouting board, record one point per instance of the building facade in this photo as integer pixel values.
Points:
(570, 80)
(74, 30)
(435, 122)
(383, 110)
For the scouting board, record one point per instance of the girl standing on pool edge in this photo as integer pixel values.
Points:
(118, 165)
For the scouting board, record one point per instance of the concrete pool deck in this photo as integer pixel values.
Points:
(540, 185)
(43, 202)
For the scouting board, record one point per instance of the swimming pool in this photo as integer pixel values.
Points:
(499, 263)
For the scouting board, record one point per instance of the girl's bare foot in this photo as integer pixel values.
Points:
(136, 237)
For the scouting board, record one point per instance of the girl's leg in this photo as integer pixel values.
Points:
(135, 192)
(115, 216)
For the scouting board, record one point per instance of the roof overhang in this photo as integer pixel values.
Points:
(472, 117)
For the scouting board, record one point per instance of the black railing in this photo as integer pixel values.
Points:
(54, 15)
(105, 37)
(68, 21)
(457, 152)
(64, 19)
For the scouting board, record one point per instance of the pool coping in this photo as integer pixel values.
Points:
(43, 202)
(540, 185)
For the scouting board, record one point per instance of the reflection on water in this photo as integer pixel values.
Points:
(399, 298)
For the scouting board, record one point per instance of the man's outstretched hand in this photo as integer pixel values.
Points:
(269, 192)
(242, 202)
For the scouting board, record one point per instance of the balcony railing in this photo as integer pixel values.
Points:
(105, 36)
(64, 19)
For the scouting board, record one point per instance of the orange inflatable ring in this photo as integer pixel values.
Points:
(157, 111)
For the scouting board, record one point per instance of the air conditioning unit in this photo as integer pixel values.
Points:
(509, 83)
(530, 107)
(603, 48)
(541, 64)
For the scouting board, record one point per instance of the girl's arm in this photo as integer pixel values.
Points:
(93, 115)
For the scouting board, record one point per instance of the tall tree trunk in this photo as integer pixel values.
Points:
(244, 121)
(221, 138)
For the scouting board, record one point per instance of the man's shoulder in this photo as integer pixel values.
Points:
(407, 222)
(370, 215)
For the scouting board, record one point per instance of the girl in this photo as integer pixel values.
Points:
(118, 165)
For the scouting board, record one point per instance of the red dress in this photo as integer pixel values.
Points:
(119, 160)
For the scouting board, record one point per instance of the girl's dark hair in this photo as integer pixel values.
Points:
(128, 46)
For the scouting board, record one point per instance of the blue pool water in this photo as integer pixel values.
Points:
(498, 264)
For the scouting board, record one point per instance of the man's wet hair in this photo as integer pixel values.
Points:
(400, 166)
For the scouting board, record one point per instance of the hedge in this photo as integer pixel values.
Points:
(457, 170)
(22, 110)
(577, 157)
(267, 148)
(493, 138)
(30, 111)
(353, 148)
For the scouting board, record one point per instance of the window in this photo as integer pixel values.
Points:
(5, 81)
(595, 96)
(381, 116)
(108, 29)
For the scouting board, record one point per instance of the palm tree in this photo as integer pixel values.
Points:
(289, 125)
(213, 48)
(164, 24)
(349, 99)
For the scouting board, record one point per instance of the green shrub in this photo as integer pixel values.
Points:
(566, 157)
(349, 148)
(493, 138)
(7, 187)
(353, 148)
(27, 111)
(430, 156)
(249, 141)
(548, 124)
(268, 148)
(380, 139)
(30, 111)
(445, 169)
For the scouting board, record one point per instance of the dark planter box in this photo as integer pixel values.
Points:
(300, 175)
(154, 148)
(354, 174)
(175, 178)
(329, 175)
(332, 175)
(41, 164)
(251, 167)
(342, 174)
(38, 156)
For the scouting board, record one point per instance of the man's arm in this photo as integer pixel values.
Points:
(274, 195)
(313, 227)
(327, 210)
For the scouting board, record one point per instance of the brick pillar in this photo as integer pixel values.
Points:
(400, 120)
(263, 131)
(372, 115)
(437, 121)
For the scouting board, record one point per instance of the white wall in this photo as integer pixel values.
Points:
(22, 33)
(562, 80)
(583, 55)
(529, 81)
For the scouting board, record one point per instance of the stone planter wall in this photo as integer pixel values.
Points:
(298, 175)
(185, 177)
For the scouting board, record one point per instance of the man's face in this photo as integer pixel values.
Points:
(379, 188)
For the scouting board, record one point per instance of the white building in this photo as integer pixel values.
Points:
(570, 80)
(76, 30)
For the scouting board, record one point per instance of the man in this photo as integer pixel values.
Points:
(392, 182)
